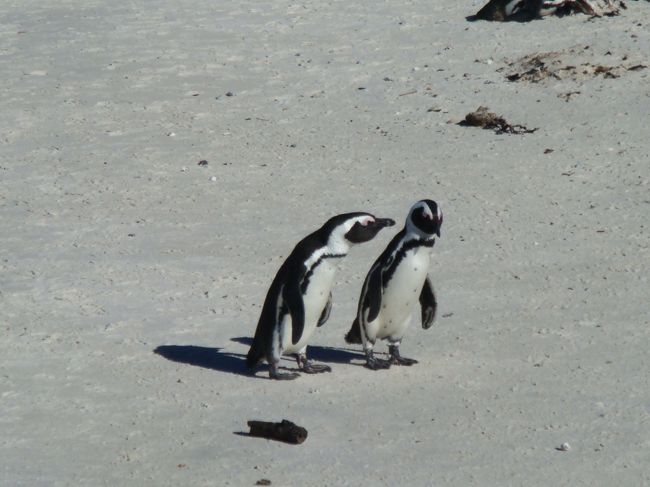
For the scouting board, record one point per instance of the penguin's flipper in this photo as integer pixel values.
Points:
(371, 295)
(324, 316)
(293, 299)
(428, 303)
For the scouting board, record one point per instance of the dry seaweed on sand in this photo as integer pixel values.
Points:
(537, 67)
(483, 118)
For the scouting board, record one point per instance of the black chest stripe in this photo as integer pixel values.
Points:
(401, 253)
(310, 272)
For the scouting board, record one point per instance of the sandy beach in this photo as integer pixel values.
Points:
(132, 277)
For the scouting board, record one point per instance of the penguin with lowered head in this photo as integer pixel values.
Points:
(300, 298)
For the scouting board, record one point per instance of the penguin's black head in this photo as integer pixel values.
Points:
(353, 228)
(425, 217)
(366, 227)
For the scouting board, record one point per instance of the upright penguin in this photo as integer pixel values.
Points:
(300, 299)
(396, 280)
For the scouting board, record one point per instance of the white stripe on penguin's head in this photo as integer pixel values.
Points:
(337, 238)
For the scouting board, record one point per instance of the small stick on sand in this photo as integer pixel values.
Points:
(412, 92)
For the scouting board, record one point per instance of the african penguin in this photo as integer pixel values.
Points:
(300, 299)
(395, 282)
(502, 10)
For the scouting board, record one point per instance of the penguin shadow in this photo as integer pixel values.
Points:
(318, 353)
(235, 363)
(205, 357)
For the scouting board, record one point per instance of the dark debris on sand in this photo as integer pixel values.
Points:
(538, 67)
(483, 118)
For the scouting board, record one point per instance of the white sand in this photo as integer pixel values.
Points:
(541, 271)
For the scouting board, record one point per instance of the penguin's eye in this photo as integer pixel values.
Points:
(365, 222)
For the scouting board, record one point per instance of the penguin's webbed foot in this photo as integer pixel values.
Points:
(397, 359)
(309, 367)
(403, 361)
(275, 374)
(374, 363)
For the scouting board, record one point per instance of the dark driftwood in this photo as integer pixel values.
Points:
(285, 431)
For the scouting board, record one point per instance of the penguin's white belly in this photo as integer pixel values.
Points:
(315, 300)
(402, 293)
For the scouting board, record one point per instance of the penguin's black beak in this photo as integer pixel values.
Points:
(438, 225)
